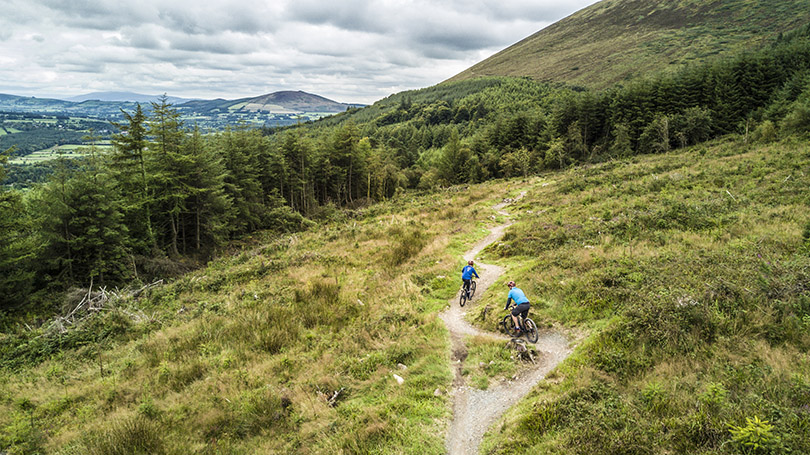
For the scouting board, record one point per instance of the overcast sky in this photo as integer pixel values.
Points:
(345, 50)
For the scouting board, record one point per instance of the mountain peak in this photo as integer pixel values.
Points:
(291, 102)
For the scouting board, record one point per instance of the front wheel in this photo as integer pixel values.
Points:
(531, 330)
(472, 289)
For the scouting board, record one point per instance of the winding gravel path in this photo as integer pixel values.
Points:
(474, 410)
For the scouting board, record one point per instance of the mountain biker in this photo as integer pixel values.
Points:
(466, 276)
(523, 305)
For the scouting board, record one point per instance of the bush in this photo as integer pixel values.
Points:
(765, 132)
(755, 437)
(797, 120)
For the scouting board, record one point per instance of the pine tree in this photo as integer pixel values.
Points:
(81, 227)
(98, 231)
(16, 247)
(208, 207)
(344, 149)
(134, 180)
(453, 166)
(241, 149)
(170, 168)
(296, 152)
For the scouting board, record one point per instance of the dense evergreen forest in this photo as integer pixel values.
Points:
(169, 196)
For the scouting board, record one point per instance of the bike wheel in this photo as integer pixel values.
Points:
(531, 330)
(462, 299)
(472, 289)
(508, 325)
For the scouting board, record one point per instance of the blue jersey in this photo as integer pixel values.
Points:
(517, 295)
(467, 272)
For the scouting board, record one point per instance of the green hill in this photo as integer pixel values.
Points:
(283, 102)
(686, 273)
(618, 40)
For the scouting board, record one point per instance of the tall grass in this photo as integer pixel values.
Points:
(689, 274)
(288, 346)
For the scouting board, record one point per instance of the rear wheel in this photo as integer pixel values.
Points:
(531, 330)
(508, 325)
(472, 289)
(462, 299)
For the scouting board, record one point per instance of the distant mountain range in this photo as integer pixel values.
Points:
(123, 96)
(109, 104)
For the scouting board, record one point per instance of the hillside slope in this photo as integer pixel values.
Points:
(688, 271)
(617, 40)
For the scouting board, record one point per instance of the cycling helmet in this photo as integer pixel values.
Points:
(510, 284)
(470, 262)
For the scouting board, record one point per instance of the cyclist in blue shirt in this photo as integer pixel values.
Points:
(466, 276)
(523, 305)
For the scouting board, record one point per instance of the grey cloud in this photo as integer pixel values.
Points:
(210, 44)
(85, 67)
(143, 41)
(97, 15)
(348, 14)
(79, 8)
(452, 37)
(185, 15)
(516, 10)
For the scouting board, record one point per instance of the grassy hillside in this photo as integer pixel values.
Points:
(617, 40)
(244, 357)
(692, 272)
(686, 274)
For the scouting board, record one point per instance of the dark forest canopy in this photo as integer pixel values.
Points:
(168, 195)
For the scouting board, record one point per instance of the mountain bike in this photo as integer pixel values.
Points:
(528, 327)
(466, 295)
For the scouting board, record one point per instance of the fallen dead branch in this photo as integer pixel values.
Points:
(95, 301)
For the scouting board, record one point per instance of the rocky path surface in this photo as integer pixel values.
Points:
(474, 410)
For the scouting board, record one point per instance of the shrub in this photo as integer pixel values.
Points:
(797, 120)
(654, 397)
(755, 437)
(714, 396)
(765, 132)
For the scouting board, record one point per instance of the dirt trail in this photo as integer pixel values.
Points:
(474, 411)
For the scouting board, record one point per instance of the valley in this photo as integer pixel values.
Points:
(198, 279)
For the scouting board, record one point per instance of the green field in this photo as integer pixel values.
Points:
(64, 151)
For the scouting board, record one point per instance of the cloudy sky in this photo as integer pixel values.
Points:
(346, 50)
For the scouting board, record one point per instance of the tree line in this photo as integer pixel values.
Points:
(168, 194)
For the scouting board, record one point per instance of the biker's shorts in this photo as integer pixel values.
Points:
(522, 308)
(466, 283)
